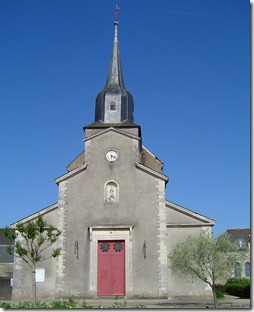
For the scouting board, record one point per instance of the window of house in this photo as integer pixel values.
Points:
(237, 270)
(247, 269)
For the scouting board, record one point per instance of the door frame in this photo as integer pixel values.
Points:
(118, 232)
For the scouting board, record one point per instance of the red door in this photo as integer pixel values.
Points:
(111, 268)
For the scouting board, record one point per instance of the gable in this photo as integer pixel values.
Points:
(178, 216)
(128, 132)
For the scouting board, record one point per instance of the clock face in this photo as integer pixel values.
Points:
(111, 155)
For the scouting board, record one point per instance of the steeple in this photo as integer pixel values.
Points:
(114, 104)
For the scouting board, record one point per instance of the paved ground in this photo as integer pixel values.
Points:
(230, 302)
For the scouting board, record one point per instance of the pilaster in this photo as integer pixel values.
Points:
(62, 217)
(161, 237)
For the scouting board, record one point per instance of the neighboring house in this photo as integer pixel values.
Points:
(117, 228)
(242, 238)
(6, 267)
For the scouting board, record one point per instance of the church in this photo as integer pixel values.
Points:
(117, 228)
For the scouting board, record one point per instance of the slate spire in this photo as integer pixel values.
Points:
(114, 104)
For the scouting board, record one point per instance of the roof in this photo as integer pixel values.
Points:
(3, 239)
(5, 257)
(152, 172)
(203, 220)
(239, 233)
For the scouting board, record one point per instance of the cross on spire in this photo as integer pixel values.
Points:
(117, 8)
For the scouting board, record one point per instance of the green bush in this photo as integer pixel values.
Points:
(41, 305)
(239, 287)
(23, 305)
(5, 305)
(239, 291)
(220, 291)
(85, 305)
(119, 305)
(243, 281)
(58, 304)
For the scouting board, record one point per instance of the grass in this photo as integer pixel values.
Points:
(62, 304)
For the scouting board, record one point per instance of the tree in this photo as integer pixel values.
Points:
(205, 258)
(30, 241)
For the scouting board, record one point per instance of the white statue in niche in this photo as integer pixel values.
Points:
(111, 193)
(112, 197)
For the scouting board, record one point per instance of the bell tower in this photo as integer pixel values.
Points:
(114, 104)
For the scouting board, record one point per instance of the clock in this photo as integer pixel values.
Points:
(111, 155)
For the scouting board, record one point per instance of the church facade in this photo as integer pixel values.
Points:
(117, 228)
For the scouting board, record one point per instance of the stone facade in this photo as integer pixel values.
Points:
(139, 215)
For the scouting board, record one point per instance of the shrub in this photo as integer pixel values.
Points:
(238, 281)
(85, 305)
(41, 305)
(23, 305)
(71, 303)
(220, 291)
(239, 287)
(5, 305)
(59, 304)
(119, 305)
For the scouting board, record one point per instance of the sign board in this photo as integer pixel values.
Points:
(40, 275)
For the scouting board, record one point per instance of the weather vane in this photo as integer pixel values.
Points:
(117, 8)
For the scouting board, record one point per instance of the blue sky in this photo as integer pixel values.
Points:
(187, 65)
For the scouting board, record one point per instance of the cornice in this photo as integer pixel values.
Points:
(181, 225)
